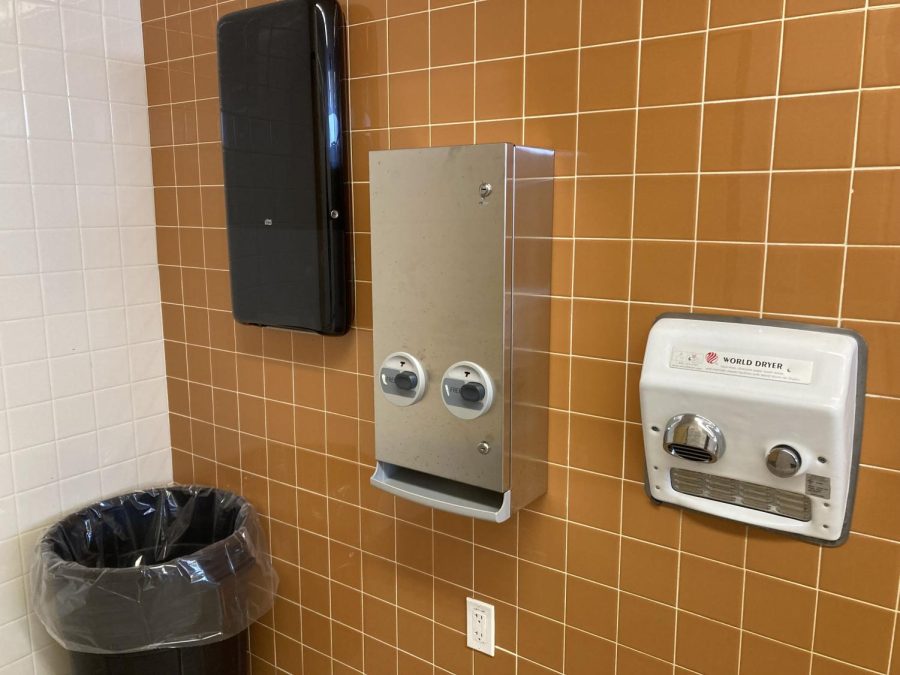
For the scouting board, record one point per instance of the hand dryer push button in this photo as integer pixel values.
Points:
(783, 461)
(467, 390)
(402, 379)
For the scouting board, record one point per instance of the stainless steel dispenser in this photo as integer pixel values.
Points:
(461, 317)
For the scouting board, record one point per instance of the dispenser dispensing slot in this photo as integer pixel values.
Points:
(441, 493)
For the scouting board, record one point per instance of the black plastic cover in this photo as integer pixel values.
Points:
(280, 79)
(166, 567)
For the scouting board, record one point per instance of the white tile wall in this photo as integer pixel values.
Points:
(83, 409)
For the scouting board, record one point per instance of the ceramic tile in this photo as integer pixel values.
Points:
(809, 207)
(806, 66)
(608, 77)
(877, 145)
(551, 26)
(610, 21)
(815, 132)
(551, 83)
(671, 70)
(668, 139)
(853, 632)
(737, 136)
(742, 62)
(452, 36)
(728, 275)
(730, 12)
(501, 28)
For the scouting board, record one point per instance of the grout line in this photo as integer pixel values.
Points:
(597, 111)
(203, 253)
(593, 415)
(16, 490)
(634, 155)
(644, 106)
(892, 652)
(591, 111)
(431, 619)
(812, 644)
(430, 121)
(474, 83)
(570, 322)
(762, 289)
(350, 167)
(471, 590)
(523, 140)
(787, 245)
(723, 27)
(328, 538)
(678, 610)
(743, 595)
(658, 174)
(862, 59)
(584, 298)
(192, 452)
(859, 95)
(700, 156)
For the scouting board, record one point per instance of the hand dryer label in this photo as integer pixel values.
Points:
(743, 365)
(818, 486)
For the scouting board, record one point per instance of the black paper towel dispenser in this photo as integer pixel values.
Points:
(280, 77)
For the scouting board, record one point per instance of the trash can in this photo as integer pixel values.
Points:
(158, 582)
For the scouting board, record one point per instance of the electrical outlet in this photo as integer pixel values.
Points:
(480, 626)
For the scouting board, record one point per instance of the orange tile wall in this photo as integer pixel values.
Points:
(713, 155)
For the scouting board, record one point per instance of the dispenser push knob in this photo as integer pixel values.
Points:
(402, 379)
(472, 391)
(406, 380)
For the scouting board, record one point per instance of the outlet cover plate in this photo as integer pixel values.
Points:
(480, 626)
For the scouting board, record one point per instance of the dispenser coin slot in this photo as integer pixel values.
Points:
(467, 390)
(402, 379)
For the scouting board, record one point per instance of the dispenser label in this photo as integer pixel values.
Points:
(743, 365)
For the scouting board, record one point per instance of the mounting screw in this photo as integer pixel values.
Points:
(334, 213)
(485, 189)
(484, 447)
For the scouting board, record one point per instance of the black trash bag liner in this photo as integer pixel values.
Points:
(166, 567)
